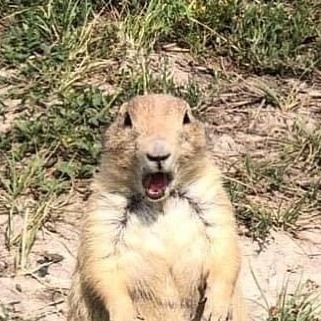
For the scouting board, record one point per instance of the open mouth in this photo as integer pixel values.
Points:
(156, 184)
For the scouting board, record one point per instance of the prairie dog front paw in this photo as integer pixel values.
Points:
(218, 313)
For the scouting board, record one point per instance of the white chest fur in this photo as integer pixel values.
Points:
(167, 234)
(164, 252)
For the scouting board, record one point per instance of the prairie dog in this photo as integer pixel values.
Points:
(159, 240)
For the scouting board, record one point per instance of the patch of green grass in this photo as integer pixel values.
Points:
(59, 41)
(145, 24)
(304, 146)
(282, 192)
(45, 152)
(71, 126)
(141, 79)
(301, 305)
(252, 180)
(270, 36)
(54, 44)
(274, 36)
(43, 29)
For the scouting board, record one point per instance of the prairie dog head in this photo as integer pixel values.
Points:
(154, 146)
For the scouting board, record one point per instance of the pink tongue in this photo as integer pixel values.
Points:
(155, 185)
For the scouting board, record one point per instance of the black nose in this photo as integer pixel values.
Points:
(157, 158)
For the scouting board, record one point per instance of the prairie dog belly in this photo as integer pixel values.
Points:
(163, 260)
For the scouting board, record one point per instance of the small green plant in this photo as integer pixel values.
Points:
(54, 44)
(140, 79)
(304, 146)
(45, 153)
(273, 36)
(145, 24)
(302, 305)
(265, 194)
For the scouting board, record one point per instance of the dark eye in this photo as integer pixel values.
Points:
(127, 121)
(186, 119)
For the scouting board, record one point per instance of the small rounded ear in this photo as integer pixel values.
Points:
(208, 133)
(118, 114)
(123, 109)
(123, 117)
(188, 116)
(108, 131)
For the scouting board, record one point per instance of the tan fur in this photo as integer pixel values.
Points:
(172, 260)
